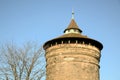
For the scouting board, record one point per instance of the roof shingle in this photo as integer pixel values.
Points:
(73, 25)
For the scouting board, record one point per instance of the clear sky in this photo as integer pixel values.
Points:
(42, 20)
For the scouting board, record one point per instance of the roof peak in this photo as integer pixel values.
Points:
(73, 24)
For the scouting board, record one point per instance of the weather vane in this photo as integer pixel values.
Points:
(73, 14)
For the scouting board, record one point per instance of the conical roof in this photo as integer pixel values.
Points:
(73, 32)
(73, 25)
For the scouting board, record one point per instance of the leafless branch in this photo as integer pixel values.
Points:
(22, 63)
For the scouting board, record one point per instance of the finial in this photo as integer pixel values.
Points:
(72, 14)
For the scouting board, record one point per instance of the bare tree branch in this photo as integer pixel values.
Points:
(22, 63)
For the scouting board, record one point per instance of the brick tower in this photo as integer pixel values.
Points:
(72, 56)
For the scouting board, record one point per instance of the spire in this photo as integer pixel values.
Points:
(72, 26)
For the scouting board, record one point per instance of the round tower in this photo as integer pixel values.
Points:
(72, 56)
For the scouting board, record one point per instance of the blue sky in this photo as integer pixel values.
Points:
(42, 20)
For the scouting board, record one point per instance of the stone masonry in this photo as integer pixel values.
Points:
(72, 56)
(72, 62)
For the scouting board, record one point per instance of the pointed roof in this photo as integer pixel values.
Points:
(73, 25)
(73, 36)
